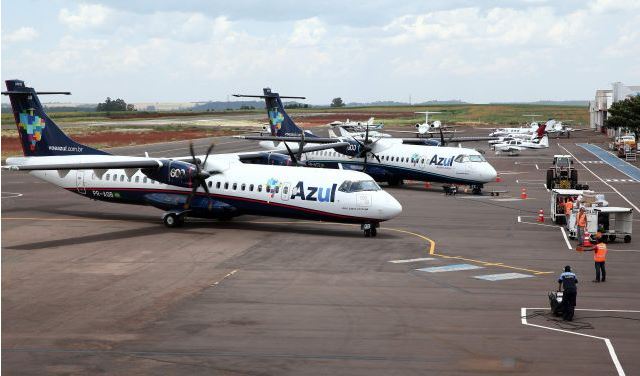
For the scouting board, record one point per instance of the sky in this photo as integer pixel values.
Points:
(197, 50)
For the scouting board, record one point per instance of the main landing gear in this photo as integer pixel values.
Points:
(370, 229)
(476, 189)
(173, 219)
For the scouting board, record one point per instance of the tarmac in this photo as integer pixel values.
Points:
(91, 287)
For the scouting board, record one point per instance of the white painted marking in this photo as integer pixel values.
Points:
(612, 352)
(545, 187)
(537, 167)
(502, 276)
(449, 268)
(609, 185)
(623, 250)
(519, 219)
(566, 239)
(10, 194)
(412, 260)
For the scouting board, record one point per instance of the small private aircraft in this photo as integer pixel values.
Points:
(217, 186)
(516, 146)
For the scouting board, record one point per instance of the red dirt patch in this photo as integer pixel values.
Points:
(11, 144)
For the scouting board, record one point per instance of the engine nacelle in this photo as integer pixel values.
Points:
(176, 173)
(271, 159)
(354, 149)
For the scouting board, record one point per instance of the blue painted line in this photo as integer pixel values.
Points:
(449, 268)
(502, 276)
(613, 161)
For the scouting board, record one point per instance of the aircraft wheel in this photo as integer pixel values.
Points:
(367, 233)
(374, 232)
(172, 220)
(627, 239)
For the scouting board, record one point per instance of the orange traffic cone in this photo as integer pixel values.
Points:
(427, 184)
(541, 216)
(586, 240)
(523, 193)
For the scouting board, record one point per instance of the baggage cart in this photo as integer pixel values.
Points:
(615, 222)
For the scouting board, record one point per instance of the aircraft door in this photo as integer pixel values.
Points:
(80, 183)
(286, 191)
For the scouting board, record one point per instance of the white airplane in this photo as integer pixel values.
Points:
(516, 136)
(216, 186)
(514, 147)
(357, 125)
(384, 159)
(426, 128)
(558, 129)
(501, 132)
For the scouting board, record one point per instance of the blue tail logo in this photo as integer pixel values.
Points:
(275, 118)
(33, 126)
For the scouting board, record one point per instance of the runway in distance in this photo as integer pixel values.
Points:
(217, 186)
(385, 159)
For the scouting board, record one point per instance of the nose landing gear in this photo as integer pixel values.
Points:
(173, 219)
(370, 229)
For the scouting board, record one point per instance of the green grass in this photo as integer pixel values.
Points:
(494, 114)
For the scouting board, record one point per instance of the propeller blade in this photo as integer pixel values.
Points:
(442, 138)
(187, 204)
(293, 157)
(193, 154)
(208, 152)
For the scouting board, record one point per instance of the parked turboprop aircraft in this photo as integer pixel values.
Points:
(208, 186)
(384, 159)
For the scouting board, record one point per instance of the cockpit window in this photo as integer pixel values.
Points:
(359, 186)
(462, 158)
(477, 158)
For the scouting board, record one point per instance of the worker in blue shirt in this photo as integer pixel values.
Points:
(567, 283)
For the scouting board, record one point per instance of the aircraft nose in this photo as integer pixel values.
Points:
(490, 173)
(391, 208)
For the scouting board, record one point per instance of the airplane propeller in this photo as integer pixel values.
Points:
(297, 157)
(366, 149)
(199, 179)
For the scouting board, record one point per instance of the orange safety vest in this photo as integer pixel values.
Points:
(568, 207)
(600, 253)
(582, 219)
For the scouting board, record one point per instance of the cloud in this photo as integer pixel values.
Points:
(85, 16)
(308, 32)
(23, 34)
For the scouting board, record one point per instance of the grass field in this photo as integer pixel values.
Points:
(487, 114)
(481, 114)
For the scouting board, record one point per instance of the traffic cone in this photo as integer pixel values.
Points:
(541, 216)
(427, 184)
(586, 240)
(523, 193)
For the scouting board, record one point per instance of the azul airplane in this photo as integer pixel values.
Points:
(384, 159)
(216, 186)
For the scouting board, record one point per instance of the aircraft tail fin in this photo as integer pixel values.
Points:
(343, 132)
(39, 135)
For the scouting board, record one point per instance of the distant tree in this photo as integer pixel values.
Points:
(111, 105)
(337, 102)
(625, 114)
(245, 107)
(295, 105)
(131, 107)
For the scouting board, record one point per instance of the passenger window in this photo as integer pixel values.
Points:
(251, 187)
(226, 185)
(115, 177)
(422, 161)
(121, 177)
(277, 189)
(144, 180)
(235, 186)
(137, 179)
(210, 184)
(107, 176)
(243, 187)
(285, 190)
(260, 188)
(218, 185)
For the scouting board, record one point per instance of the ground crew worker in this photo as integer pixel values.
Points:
(581, 223)
(567, 283)
(568, 207)
(599, 257)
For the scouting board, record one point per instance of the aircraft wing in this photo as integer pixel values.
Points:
(294, 149)
(311, 140)
(57, 163)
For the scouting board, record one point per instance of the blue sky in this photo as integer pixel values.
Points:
(167, 51)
